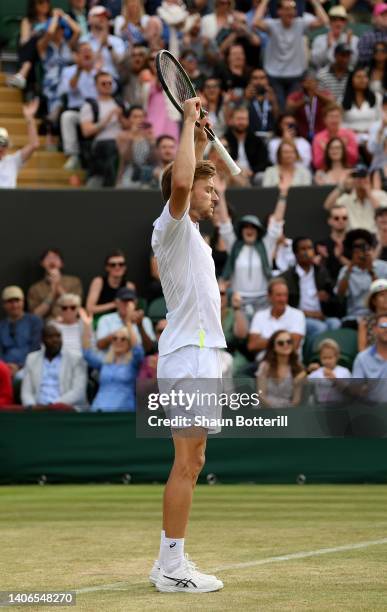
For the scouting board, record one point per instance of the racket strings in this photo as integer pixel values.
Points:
(175, 81)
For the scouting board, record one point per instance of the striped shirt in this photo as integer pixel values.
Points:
(328, 80)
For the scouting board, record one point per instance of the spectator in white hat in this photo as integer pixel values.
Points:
(10, 163)
(324, 45)
(110, 49)
(376, 302)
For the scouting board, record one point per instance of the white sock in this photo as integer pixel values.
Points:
(162, 537)
(172, 553)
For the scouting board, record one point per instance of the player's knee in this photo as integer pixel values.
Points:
(191, 467)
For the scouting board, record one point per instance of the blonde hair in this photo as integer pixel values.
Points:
(141, 11)
(328, 343)
(69, 297)
(203, 169)
(129, 335)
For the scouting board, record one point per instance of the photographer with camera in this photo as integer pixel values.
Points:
(263, 104)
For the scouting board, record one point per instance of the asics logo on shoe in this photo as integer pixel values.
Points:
(172, 545)
(182, 582)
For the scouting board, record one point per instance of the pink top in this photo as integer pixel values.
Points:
(158, 114)
(323, 137)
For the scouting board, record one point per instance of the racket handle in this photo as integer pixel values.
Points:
(224, 154)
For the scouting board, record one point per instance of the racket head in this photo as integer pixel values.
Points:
(174, 80)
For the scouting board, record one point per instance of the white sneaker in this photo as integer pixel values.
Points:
(73, 163)
(16, 80)
(154, 573)
(187, 579)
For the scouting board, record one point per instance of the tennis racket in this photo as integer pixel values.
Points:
(179, 88)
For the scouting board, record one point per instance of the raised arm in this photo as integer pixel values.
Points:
(321, 14)
(184, 165)
(280, 207)
(258, 21)
(29, 112)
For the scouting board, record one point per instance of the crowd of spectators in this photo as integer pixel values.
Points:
(292, 110)
(288, 86)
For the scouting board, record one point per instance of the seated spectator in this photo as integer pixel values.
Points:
(280, 375)
(78, 12)
(359, 199)
(286, 129)
(362, 107)
(160, 111)
(6, 387)
(251, 250)
(134, 75)
(248, 150)
(234, 73)
(329, 374)
(20, 332)
(117, 371)
(166, 147)
(376, 302)
(287, 167)
(325, 45)
(240, 33)
(53, 377)
(11, 163)
(31, 28)
(334, 77)
(69, 322)
(355, 279)
(336, 169)
(381, 224)
(134, 26)
(55, 48)
(331, 249)
(42, 296)
(307, 104)
(127, 315)
(370, 364)
(101, 124)
(76, 86)
(378, 68)
(332, 118)
(148, 370)
(278, 316)
(285, 59)
(377, 147)
(189, 61)
(311, 289)
(377, 34)
(108, 48)
(136, 147)
(206, 50)
(103, 289)
(213, 102)
(222, 17)
(263, 104)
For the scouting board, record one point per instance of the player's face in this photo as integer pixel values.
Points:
(203, 199)
(328, 358)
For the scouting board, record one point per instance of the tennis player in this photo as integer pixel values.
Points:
(189, 347)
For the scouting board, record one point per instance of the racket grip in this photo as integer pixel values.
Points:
(224, 154)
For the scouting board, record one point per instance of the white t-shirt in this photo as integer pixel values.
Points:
(111, 131)
(308, 290)
(284, 54)
(264, 324)
(71, 336)
(9, 168)
(326, 391)
(187, 274)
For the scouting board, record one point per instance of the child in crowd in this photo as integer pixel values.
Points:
(329, 376)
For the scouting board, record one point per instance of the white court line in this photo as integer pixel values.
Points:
(302, 555)
(124, 586)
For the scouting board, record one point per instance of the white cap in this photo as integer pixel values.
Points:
(4, 137)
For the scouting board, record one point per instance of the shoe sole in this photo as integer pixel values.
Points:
(152, 581)
(171, 589)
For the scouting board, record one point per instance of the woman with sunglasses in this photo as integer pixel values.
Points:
(280, 374)
(103, 289)
(378, 68)
(336, 169)
(69, 322)
(117, 370)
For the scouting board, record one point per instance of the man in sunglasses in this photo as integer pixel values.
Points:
(331, 248)
(355, 278)
(371, 364)
(20, 332)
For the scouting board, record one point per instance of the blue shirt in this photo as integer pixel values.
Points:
(371, 366)
(18, 338)
(49, 391)
(117, 382)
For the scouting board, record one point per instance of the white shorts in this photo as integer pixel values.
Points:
(192, 370)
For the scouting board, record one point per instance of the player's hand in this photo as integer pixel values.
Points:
(192, 109)
(200, 135)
